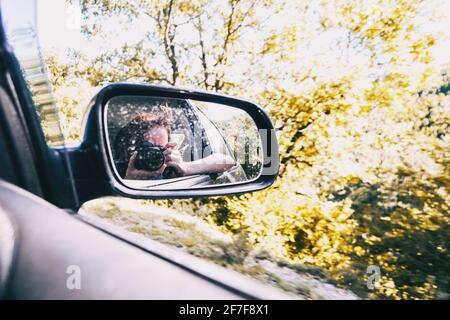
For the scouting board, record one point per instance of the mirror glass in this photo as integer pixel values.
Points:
(161, 143)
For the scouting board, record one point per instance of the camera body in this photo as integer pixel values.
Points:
(149, 157)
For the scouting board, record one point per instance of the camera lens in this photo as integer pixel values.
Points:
(149, 156)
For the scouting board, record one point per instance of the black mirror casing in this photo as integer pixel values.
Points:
(93, 165)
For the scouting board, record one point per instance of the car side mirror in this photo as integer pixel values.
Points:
(165, 142)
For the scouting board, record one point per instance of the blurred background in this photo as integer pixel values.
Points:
(359, 94)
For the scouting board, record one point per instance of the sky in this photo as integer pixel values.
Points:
(55, 26)
(59, 28)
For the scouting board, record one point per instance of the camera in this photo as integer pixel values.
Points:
(149, 157)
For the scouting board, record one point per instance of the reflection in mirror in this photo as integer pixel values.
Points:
(169, 144)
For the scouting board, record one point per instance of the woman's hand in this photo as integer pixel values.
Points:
(136, 174)
(172, 154)
(174, 160)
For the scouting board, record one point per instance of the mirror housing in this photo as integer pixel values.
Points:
(96, 147)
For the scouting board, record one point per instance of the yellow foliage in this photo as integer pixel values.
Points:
(362, 124)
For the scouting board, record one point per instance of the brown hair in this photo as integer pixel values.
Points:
(133, 133)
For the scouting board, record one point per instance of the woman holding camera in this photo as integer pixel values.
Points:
(155, 130)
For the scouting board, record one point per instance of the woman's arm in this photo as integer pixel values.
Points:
(215, 163)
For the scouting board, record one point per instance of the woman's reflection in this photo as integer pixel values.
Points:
(143, 151)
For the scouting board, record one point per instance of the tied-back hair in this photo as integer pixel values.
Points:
(133, 134)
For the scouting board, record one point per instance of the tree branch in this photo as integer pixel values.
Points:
(203, 54)
(168, 37)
